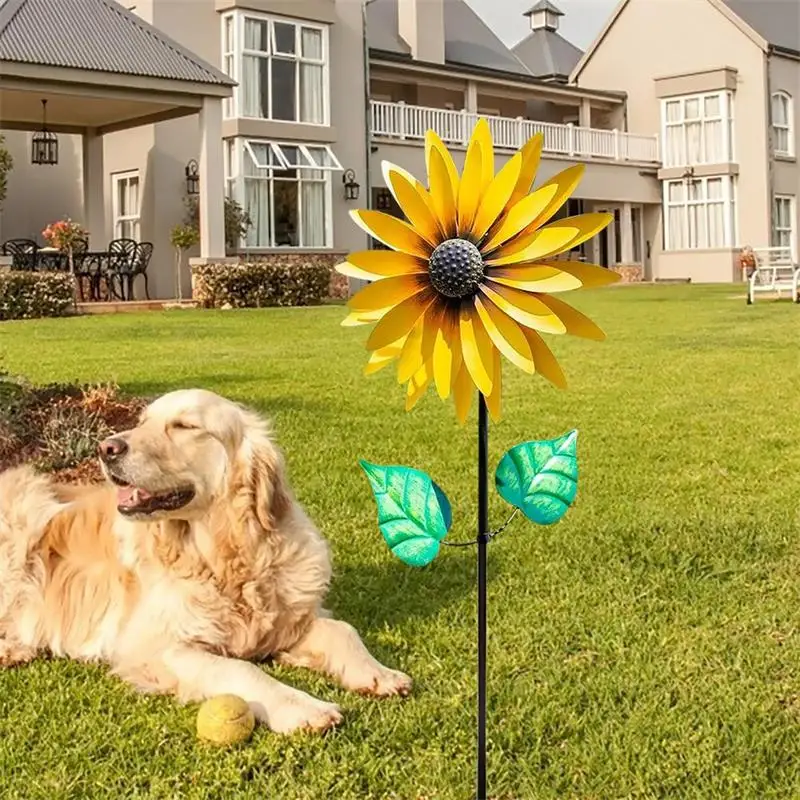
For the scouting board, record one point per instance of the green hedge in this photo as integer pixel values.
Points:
(259, 284)
(27, 295)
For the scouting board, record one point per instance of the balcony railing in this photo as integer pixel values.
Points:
(406, 122)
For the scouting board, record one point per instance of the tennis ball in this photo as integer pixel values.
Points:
(225, 719)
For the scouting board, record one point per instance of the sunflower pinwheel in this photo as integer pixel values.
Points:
(471, 273)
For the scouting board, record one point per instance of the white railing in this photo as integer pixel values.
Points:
(402, 121)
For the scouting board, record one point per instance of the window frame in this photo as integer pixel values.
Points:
(240, 18)
(792, 229)
(727, 200)
(116, 179)
(725, 118)
(787, 126)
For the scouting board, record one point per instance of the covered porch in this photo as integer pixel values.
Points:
(107, 71)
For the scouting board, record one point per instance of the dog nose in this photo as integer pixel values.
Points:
(112, 449)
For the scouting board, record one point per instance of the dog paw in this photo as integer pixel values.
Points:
(381, 682)
(304, 713)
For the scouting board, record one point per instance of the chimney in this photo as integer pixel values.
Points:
(544, 16)
(420, 24)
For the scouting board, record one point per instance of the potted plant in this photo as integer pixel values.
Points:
(182, 237)
(64, 235)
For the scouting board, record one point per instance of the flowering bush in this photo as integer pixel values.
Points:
(64, 234)
(261, 283)
(26, 295)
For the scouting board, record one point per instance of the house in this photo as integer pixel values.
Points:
(719, 82)
(325, 90)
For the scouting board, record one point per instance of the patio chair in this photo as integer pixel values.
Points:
(22, 252)
(121, 255)
(141, 260)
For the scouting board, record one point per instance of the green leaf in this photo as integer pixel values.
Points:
(540, 478)
(414, 514)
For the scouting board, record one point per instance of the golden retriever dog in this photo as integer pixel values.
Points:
(192, 563)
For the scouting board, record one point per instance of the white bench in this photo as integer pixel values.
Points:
(776, 271)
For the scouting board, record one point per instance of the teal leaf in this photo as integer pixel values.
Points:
(414, 514)
(540, 478)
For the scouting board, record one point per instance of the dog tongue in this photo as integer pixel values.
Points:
(130, 496)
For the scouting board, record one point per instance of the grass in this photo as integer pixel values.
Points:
(648, 646)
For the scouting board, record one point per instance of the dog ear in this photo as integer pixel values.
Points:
(270, 499)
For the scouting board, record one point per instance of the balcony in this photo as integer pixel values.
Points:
(399, 121)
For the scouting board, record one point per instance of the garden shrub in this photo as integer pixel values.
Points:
(261, 283)
(26, 295)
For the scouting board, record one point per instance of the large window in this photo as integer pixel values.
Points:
(782, 127)
(784, 217)
(126, 207)
(286, 189)
(699, 214)
(697, 129)
(281, 67)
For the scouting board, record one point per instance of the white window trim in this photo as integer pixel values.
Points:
(728, 202)
(725, 118)
(792, 229)
(788, 126)
(242, 148)
(283, 160)
(230, 105)
(116, 179)
(239, 17)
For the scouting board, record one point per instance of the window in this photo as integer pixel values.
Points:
(126, 207)
(697, 129)
(783, 222)
(699, 214)
(286, 189)
(281, 67)
(782, 128)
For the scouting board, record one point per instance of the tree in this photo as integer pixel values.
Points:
(182, 238)
(6, 164)
(237, 220)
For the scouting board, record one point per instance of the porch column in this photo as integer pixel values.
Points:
(626, 232)
(94, 208)
(212, 180)
(585, 113)
(471, 98)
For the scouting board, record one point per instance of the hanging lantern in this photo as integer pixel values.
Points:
(44, 143)
(192, 178)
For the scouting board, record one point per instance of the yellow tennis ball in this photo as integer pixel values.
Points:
(225, 719)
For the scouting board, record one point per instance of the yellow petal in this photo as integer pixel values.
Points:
(443, 194)
(417, 207)
(434, 144)
(387, 292)
(400, 320)
(534, 278)
(544, 243)
(357, 318)
(444, 353)
(373, 264)
(482, 134)
(506, 334)
(493, 399)
(527, 309)
(531, 156)
(476, 347)
(392, 232)
(497, 195)
(387, 165)
(384, 356)
(520, 216)
(589, 275)
(566, 182)
(463, 389)
(576, 324)
(546, 364)
(469, 190)
(417, 387)
(418, 349)
(588, 225)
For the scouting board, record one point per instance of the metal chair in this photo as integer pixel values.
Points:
(141, 260)
(121, 255)
(22, 252)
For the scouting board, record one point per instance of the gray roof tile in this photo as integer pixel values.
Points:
(548, 54)
(97, 35)
(778, 21)
(544, 5)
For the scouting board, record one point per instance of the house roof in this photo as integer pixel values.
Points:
(778, 21)
(544, 5)
(547, 54)
(96, 35)
(468, 39)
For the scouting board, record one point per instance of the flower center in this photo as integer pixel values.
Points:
(456, 268)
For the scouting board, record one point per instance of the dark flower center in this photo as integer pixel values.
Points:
(456, 268)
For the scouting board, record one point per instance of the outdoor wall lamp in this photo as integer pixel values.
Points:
(351, 188)
(192, 178)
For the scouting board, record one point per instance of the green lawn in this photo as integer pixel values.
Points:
(648, 646)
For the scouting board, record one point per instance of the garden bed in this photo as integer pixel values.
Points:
(57, 427)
